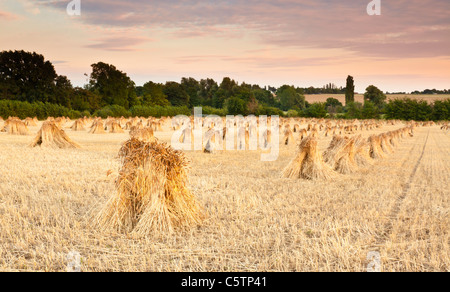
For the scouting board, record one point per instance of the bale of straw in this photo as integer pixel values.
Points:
(242, 139)
(335, 150)
(30, 122)
(115, 127)
(15, 127)
(346, 163)
(362, 152)
(51, 136)
(151, 191)
(392, 138)
(78, 125)
(187, 136)
(308, 163)
(303, 134)
(267, 139)
(385, 145)
(97, 128)
(213, 140)
(145, 134)
(375, 147)
(288, 136)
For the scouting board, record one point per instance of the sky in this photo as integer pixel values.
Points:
(301, 43)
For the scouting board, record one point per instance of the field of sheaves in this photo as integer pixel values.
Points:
(257, 220)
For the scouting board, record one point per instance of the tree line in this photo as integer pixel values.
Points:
(29, 85)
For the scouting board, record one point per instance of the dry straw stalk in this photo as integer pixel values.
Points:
(152, 194)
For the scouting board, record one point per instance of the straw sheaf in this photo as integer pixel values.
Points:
(375, 147)
(15, 126)
(151, 191)
(308, 163)
(51, 136)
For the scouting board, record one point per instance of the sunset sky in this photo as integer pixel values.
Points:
(302, 43)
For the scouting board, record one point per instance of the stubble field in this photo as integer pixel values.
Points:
(257, 220)
(360, 97)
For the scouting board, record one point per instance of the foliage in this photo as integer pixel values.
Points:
(290, 98)
(350, 90)
(315, 110)
(375, 95)
(353, 110)
(159, 111)
(113, 85)
(23, 109)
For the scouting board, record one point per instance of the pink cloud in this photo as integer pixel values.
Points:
(116, 43)
(4, 15)
(317, 24)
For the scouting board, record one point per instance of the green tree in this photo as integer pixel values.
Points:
(192, 88)
(441, 110)
(208, 88)
(333, 102)
(375, 95)
(113, 85)
(264, 96)
(315, 110)
(228, 85)
(153, 94)
(26, 76)
(350, 90)
(290, 98)
(369, 111)
(63, 91)
(85, 100)
(236, 106)
(353, 110)
(176, 94)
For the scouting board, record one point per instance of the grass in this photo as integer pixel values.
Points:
(257, 221)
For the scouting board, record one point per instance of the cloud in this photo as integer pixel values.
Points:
(406, 28)
(118, 43)
(4, 15)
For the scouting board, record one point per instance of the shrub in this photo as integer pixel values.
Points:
(315, 110)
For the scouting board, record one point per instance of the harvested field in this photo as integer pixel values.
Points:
(397, 205)
(360, 97)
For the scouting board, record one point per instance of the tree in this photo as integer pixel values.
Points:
(227, 85)
(113, 85)
(176, 94)
(350, 90)
(252, 105)
(441, 110)
(192, 88)
(369, 111)
(264, 96)
(26, 76)
(153, 94)
(375, 95)
(333, 102)
(208, 88)
(63, 92)
(290, 98)
(85, 100)
(333, 106)
(353, 110)
(315, 110)
(236, 106)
